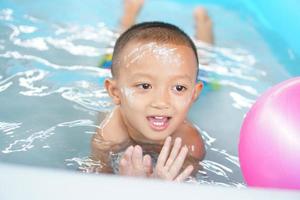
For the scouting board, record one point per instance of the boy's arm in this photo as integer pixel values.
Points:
(191, 137)
(104, 142)
(100, 151)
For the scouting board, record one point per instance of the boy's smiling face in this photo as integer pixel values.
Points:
(155, 87)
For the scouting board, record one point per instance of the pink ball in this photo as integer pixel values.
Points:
(269, 147)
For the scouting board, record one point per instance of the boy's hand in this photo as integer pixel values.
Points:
(133, 163)
(169, 164)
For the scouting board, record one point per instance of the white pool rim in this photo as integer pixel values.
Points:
(23, 182)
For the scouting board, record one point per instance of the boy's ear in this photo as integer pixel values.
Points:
(113, 91)
(197, 90)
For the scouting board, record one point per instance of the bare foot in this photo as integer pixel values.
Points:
(130, 12)
(204, 27)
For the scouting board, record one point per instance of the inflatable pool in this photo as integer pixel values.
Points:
(52, 96)
(35, 183)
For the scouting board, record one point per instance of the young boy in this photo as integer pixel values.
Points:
(153, 85)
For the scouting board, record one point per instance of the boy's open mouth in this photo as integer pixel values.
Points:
(158, 123)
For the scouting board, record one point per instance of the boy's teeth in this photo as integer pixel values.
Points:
(158, 123)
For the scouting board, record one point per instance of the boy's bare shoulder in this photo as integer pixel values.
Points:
(111, 132)
(193, 139)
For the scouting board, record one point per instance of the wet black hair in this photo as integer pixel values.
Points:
(151, 31)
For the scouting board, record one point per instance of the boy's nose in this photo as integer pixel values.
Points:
(161, 100)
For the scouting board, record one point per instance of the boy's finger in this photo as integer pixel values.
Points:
(174, 152)
(123, 168)
(125, 161)
(164, 153)
(147, 163)
(128, 153)
(137, 157)
(177, 164)
(186, 173)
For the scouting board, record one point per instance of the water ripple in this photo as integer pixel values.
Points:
(241, 101)
(8, 128)
(216, 168)
(84, 164)
(81, 122)
(28, 143)
(6, 14)
(17, 55)
(4, 86)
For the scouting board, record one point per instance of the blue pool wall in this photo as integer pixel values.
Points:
(281, 29)
(279, 16)
(277, 20)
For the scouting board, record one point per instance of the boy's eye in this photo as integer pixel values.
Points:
(179, 88)
(144, 86)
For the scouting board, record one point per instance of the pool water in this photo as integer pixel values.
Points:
(51, 91)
